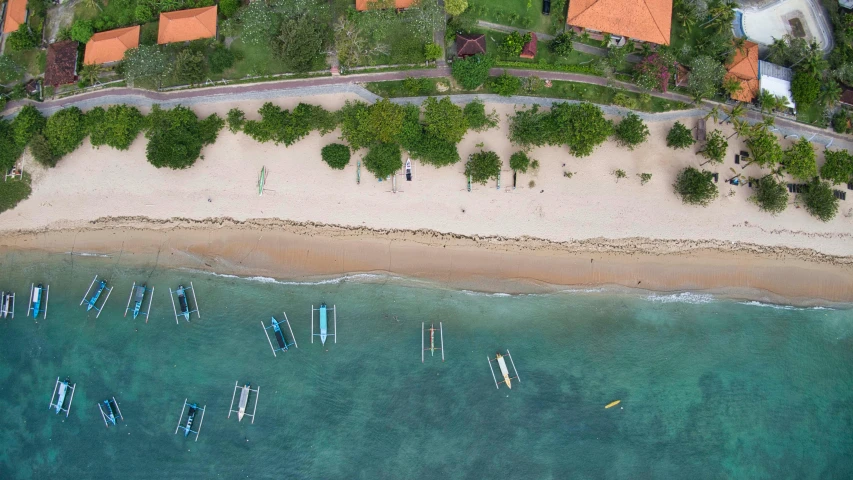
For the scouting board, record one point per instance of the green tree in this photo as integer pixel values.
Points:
(805, 87)
(384, 120)
(631, 131)
(9, 149)
(235, 119)
(229, 7)
(455, 7)
(354, 124)
(21, 39)
(482, 166)
(838, 167)
(383, 159)
(432, 51)
(770, 195)
(117, 126)
(715, 147)
(147, 64)
(582, 127)
(42, 153)
(513, 43)
(27, 123)
(176, 137)
(799, 160)
(819, 200)
(473, 71)
(706, 77)
(65, 130)
(679, 136)
(220, 59)
(10, 71)
(505, 85)
(519, 162)
(300, 43)
(563, 44)
(336, 155)
(283, 126)
(81, 31)
(695, 187)
(764, 148)
(444, 120)
(190, 66)
(477, 118)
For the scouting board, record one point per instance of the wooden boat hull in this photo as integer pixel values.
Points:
(504, 370)
(244, 399)
(60, 399)
(279, 334)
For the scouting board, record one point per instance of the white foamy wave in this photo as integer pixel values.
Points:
(683, 297)
(754, 303)
(485, 294)
(328, 281)
(87, 254)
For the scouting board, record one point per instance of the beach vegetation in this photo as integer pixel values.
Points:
(41, 151)
(384, 120)
(819, 200)
(235, 119)
(483, 166)
(619, 174)
(715, 147)
(631, 131)
(9, 149)
(426, 144)
(478, 119)
(117, 126)
(383, 159)
(644, 178)
(581, 127)
(695, 187)
(473, 71)
(14, 191)
(354, 125)
(770, 195)
(679, 137)
(444, 120)
(838, 166)
(176, 136)
(283, 126)
(336, 155)
(27, 123)
(519, 162)
(764, 148)
(65, 131)
(799, 160)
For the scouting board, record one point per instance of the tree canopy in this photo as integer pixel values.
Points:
(9, 149)
(679, 136)
(764, 148)
(147, 63)
(176, 136)
(444, 120)
(805, 87)
(301, 41)
(519, 162)
(455, 7)
(819, 200)
(706, 77)
(283, 126)
(383, 159)
(505, 85)
(838, 167)
(478, 119)
(800, 160)
(631, 131)
(695, 187)
(715, 147)
(27, 123)
(482, 166)
(770, 195)
(336, 155)
(117, 126)
(473, 71)
(513, 43)
(65, 131)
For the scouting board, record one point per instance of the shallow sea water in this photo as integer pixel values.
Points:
(709, 388)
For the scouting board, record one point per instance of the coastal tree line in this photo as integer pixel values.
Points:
(429, 133)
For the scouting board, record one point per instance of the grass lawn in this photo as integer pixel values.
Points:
(403, 47)
(257, 60)
(812, 114)
(33, 61)
(512, 12)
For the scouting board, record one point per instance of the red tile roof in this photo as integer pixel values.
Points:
(646, 20)
(362, 5)
(16, 15)
(61, 67)
(744, 68)
(109, 46)
(187, 25)
(529, 49)
(468, 44)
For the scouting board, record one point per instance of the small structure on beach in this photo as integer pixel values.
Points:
(529, 48)
(109, 47)
(61, 66)
(187, 25)
(468, 44)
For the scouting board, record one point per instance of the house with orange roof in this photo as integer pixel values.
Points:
(109, 46)
(16, 15)
(187, 25)
(643, 20)
(744, 69)
(362, 5)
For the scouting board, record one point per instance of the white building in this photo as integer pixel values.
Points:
(776, 79)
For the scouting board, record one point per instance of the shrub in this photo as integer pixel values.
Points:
(562, 44)
(679, 136)
(13, 192)
(417, 86)
(581, 127)
(478, 120)
(27, 123)
(695, 187)
(118, 126)
(21, 39)
(644, 178)
(631, 131)
(65, 131)
(300, 42)
(354, 126)
(715, 147)
(483, 166)
(473, 71)
(282, 126)
(9, 149)
(770, 195)
(764, 147)
(444, 120)
(432, 51)
(383, 159)
(512, 45)
(505, 85)
(220, 59)
(229, 7)
(819, 200)
(176, 137)
(519, 162)
(236, 119)
(838, 167)
(654, 72)
(142, 13)
(81, 31)
(800, 160)
(455, 7)
(336, 155)
(40, 148)
(805, 87)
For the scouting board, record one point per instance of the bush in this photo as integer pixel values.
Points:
(654, 72)
(142, 13)
(229, 7)
(478, 120)
(417, 86)
(715, 147)
(820, 201)
(82, 31)
(513, 44)
(770, 195)
(40, 148)
(800, 160)
(336, 155)
(455, 7)
(679, 136)
(505, 85)
(695, 187)
(27, 123)
(176, 137)
(383, 159)
(21, 39)
(631, 131)
(65, 131)
(444, 120)
(9, 149)
(432, 51)
(220, 59)
(282, 126)
(473, 71)
(519, 162)
(483, 166)
(118, 126)
(13, 192)
(838, 167)
(562, 44)
(236, 119)
(300, 42)
(805, 87)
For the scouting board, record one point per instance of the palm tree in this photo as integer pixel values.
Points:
(766, 100)
(90, 73)
(687, 20)
(736, 112)
(777, 49)
(731, 85)
(713, 113)
(741, 128)
(831, 92)
(92, 4)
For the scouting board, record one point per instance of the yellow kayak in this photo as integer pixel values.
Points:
(612, 404)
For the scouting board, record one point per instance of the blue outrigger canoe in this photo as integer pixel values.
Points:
(37, 300)
(94, 299)
(324, 323)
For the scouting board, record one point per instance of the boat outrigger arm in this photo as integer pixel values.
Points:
(193, 411)
(245, 390)
(278, 332)
(92, 302)
(504, 370)
(109, 410)
(137, 296)
(324, 323)
(432, 348)
(39, 298)
(60, 391)
(183, 301)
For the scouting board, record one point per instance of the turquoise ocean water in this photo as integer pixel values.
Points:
(710, 388)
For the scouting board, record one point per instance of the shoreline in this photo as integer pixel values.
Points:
(308, 251)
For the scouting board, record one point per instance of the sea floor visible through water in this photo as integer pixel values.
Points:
(709, 388)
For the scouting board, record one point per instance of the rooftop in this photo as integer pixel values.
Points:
(468, 44)
(187, 25)
(16, 15)
(362, 5)
(109, 46)
(529, 49)
(645, 20)
(744, 68)
(61, 67)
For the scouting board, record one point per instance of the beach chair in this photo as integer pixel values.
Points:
(737, 159)
(716, 177)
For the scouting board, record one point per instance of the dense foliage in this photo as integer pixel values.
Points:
(283, 126)
(444, 120)
(631, 131)
(764, 148)
(27, 123)
(235, 119)
(679, 136)
(13, 191)
(562, 44)
(300, 42)
(432, 142)
(9, 149)
(190, 66)
(695, 187)
(336, 155)
(770, 195)
(363, 125)
(505, 85)
(715, 147)
(65, 131)
(455, 7)
(655, 71)
(800, 160)
(42, 153)
(118, 126)
(581, 127)
(383, 159)
(176, 136)
(706, 77)
(513, 43)
(482, 166)
(838, 167)
(473, 71)
(805, 87)
(478, 119)
(21, 39)
(82, 31)
(519, 162)
(819, 200)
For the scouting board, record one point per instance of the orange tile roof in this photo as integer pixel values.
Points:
(16, 15)
(109, 46)
(744, 68)
(362, 5)
(646, 20)
(186, 25)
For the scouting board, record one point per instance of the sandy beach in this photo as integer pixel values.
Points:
(545, 230)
